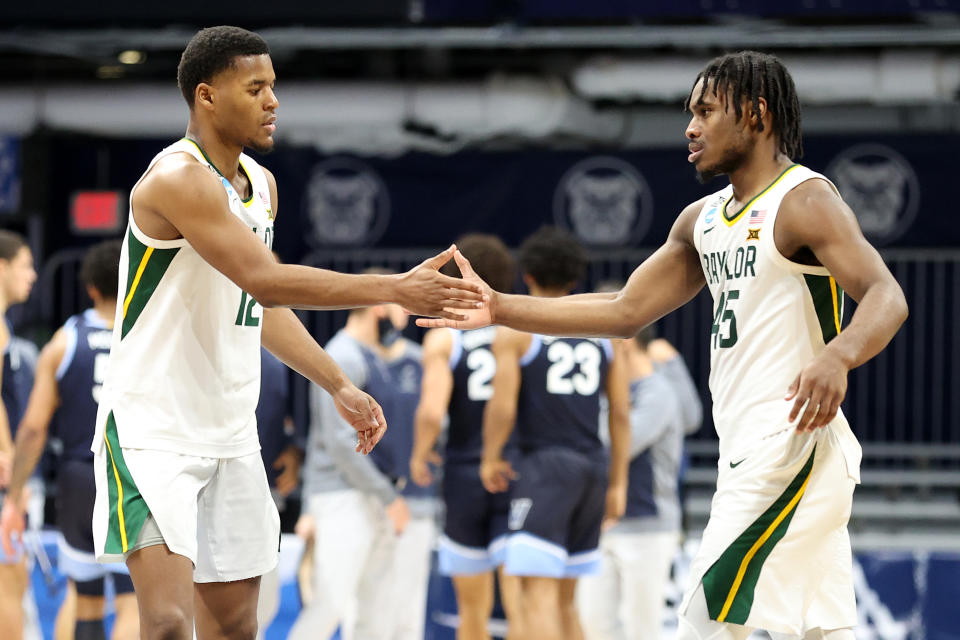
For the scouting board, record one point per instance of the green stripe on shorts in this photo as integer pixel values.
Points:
(128, 509)
(729, 584)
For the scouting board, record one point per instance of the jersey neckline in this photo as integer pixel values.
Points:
(246, 200)
(731, 221)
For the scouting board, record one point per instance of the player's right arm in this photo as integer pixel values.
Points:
(618, 417)
(500, 413)
(182, 198)
(669, 278)
(32, 435)
(436, 388)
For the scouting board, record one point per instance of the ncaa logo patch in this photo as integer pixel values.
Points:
(347, 203)
(604, 201)
(880, 186)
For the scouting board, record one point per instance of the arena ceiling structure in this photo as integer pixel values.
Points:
(442, 74)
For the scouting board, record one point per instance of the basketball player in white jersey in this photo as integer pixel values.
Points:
(182, 496)
(777, 247)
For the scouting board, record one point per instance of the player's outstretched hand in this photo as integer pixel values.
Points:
(821, 387)
(12, 524)
(420, 467)
(364, 414)
(425, 291)
(470, 318)
(496, 475)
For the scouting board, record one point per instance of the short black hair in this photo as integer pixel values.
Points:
(553, 258)
(489, 257)
(749, 75)
(211, 51)
(100, 266)
(10, 244)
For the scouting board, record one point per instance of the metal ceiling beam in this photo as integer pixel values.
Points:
(765, 34)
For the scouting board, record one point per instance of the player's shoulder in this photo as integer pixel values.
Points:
(693, 209)
(815, 206)
(52, 353)
(687, 220)
(816, 191)
(179, 172)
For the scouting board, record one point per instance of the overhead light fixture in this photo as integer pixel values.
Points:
(131, 56)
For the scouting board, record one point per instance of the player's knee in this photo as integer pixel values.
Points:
(166, 623)
(242, 626)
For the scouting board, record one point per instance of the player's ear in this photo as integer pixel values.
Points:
(203, 96)
(761, 106)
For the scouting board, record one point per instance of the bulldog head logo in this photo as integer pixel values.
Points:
(604, 201)
(347, 203)
(880, 186)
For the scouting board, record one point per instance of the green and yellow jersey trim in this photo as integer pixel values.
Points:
(146, 267)
(732, 221)
(246, 201)
(730, 583)
(827, 298)
(128, 510)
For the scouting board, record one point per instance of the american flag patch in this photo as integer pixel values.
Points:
(757, 216)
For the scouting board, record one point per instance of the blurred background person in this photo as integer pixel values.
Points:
(406, 592)
(353, 509)
(565, 483)
(457, 382)
(69, 374)
(626, 599)
(17, 276)
(282, 454)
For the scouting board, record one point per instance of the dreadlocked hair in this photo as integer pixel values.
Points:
(747, 76)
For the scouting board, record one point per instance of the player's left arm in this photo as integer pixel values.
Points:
(284, 336)
(43, 401)
(500, 411)
(813, 217)
(618, 398)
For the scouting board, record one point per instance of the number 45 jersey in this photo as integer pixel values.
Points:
(771, 317)
(185, 358)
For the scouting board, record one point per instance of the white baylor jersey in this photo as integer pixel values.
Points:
(771, 317)
(185, 357)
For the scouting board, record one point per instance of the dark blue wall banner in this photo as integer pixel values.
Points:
(899, 186)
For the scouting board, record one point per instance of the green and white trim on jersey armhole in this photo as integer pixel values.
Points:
(827, 297)
(128, 510)
(145, 268)
(729, 584)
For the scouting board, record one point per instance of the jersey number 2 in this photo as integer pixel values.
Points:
(482, 366)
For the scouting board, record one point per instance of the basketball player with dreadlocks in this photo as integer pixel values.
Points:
(777, 248)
